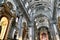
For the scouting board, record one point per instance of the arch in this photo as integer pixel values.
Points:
(39, 3)
(39, 26)
(5, 20)
(41, 15)
(39, 19)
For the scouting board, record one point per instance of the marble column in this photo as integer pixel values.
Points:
(56, 32)
(20, 27)
(31, 33)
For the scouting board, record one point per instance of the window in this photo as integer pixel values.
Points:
(4, 21)
(3, 26)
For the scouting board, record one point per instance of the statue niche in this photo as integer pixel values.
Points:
(25, 35)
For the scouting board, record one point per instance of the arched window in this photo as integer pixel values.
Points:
(4, 21)
(3, 25)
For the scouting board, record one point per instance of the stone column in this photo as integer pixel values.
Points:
(56, 32)
(31, 29)
(8, 29)
(31, 33)
(51, 29)
(20, 27)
